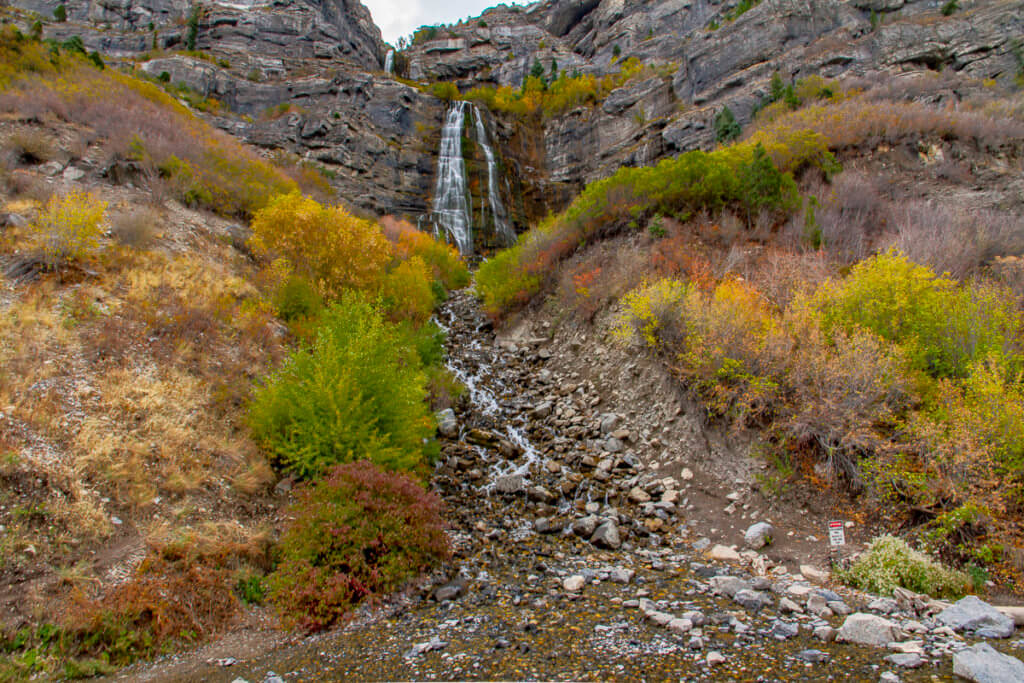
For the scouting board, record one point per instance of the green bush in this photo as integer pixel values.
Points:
(359, 531)
(61, 13)
(742, 176)
(297, 299)
(942, 326)
(890, 563)
(358, 392)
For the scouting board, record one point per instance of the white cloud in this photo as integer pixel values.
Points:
(400, 17)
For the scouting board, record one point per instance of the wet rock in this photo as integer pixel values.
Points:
(728, 585)
(787, 605)
(541, 495)
(977, 616)
(759, 535)
(482, 437)
(447, 425)
(574, 583)
(867, 629)
(825, 633)
(510, 484)
(680, 626)
(812, 656)
(607, 536)
(752, 600)
(783, 630)
(621, 575)
(905, 660)
(984, 664)
(545, 525)
(585, 526)
(434, 643)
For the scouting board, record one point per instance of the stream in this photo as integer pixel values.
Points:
(535, 591)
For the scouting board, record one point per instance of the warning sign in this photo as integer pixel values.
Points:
(836, 535)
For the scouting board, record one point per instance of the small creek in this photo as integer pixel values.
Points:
(513, 618)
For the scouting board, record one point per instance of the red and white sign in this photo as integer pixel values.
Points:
(836, 535)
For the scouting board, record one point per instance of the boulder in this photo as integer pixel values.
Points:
(759, 535)
(723, 553)
(984, 664)
(977, 616)
(867, 629)
(574, 583)
(607, 536)
(447, 425)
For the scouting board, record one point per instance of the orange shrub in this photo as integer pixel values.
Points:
(443, 260)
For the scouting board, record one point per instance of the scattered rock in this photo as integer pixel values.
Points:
(812, 656)
(905, 660)
(680, 626)
(813, 574)
(723, 553)
(574, 583)
(607, 536)
(752, 600)
(621, 575)
(715, 658)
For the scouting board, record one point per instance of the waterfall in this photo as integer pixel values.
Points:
(389, 63)
(451, 203)
(501, 224)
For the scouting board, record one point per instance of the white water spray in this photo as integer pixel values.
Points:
(501, 224)
(451, 202)
(389, 63)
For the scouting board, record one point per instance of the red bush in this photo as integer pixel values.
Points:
(359, 531)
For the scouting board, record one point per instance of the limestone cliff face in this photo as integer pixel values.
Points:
(306, 76)
(298, 29)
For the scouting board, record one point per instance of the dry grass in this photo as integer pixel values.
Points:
(863, 122)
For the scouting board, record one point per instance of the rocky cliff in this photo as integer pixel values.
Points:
(307, 76)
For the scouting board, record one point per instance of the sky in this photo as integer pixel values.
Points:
(402, 17)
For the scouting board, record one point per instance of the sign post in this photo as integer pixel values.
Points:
(836, 538)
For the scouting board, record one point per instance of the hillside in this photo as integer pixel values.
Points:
(742, 269)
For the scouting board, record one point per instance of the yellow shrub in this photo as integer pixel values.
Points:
(407, 292)
(70, 226)
(648, 309)
(327, 245)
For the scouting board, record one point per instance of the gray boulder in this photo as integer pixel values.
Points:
(975, 615)
(759, 535)
(867, 629)
(607, 536)
(984, 664)
(447, 425)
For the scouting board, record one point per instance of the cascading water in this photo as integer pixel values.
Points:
(389, 63)
(501, 224)
(451, 201)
